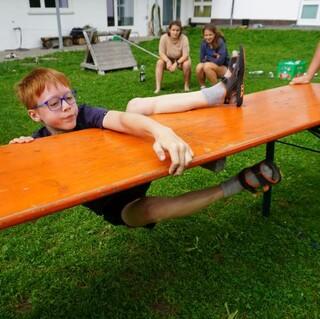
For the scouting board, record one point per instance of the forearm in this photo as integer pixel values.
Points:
(182, 59)
(211, 59)
(133, 124)
(165, 140)
(315, 63)
(164, 57)
(219, 60)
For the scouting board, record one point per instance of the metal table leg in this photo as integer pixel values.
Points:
(270, 147)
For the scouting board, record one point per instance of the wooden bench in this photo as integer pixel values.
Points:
(57, 172)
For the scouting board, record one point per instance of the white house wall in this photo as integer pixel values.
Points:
(266, 10)
(142, 9)
(8, 16)
(186, 11)
(16, 13)
(256, 9)
(221, 9)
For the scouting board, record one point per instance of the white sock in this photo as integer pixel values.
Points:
(215, 94)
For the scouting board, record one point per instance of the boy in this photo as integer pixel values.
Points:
(49, 100)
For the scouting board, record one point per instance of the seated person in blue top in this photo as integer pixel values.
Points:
(214, 57)
(50, 101)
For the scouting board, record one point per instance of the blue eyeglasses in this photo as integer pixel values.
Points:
(55, 103)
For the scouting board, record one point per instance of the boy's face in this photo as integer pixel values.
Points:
(58, 121)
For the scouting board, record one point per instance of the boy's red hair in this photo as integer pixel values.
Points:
(34, 83)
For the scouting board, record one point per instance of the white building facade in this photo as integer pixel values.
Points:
(24, 22)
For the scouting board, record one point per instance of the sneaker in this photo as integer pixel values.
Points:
(234, 84)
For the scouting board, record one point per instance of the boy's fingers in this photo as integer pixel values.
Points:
(162, 156)
(181, 159)
(21, 139)
(159, 151)
(184, 157)
(188, 157)
(180, 153)
(189, 151)
(28, 139)
(15, 140)
(175, 161)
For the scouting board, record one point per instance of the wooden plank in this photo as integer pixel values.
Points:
(113, 55)
(115, 66)
(107, 55)
(90, 57)
(61, 171)
(89, 66)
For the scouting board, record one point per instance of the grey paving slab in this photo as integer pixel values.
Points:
(36, 52)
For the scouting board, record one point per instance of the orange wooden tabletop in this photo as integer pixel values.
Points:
(61, 171)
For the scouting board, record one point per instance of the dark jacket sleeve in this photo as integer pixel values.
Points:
(203, 52)
(221, 52)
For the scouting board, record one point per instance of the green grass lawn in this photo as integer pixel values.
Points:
(225, 260)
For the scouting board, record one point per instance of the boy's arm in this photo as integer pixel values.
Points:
(165, 139)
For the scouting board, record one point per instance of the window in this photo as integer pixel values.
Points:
(48, 3)
(35, 3)
(125, 12)
(309, 11)
(167, 11)
(110, 13)
(120, 13)
(171, 11)
(202, 8)
(178, 9)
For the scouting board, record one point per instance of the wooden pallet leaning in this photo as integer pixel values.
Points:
(107, 55)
